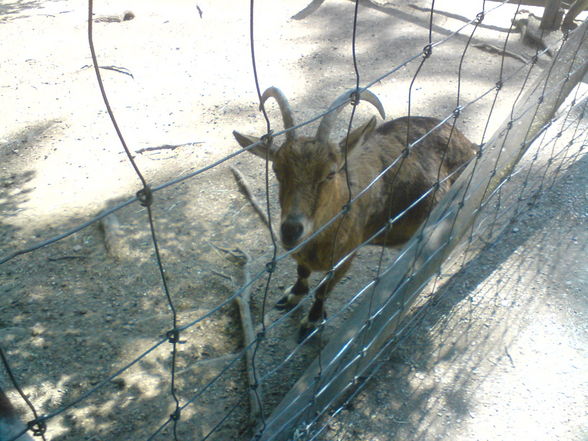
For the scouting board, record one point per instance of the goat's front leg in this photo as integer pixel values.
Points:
(294, 293)
(317, 311)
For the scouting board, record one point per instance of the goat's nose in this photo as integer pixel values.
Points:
(291, 230)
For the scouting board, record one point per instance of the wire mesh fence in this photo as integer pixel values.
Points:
(170, 361)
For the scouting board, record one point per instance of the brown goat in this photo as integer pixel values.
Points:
(313, 188)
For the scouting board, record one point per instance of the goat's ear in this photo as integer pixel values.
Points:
(246, 140)
(357, 136)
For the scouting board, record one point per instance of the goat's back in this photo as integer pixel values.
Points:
(435, 157)
(444, 143)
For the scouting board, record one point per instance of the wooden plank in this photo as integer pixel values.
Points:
(352, 349)
(552, 15)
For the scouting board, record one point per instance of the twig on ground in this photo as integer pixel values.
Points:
(509, 357)
(122, 70)
(166, 147)
(223, 275)
(486, 47)
(236, 255)
(245, 189)
(56, 259)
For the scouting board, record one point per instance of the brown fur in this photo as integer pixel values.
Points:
(313, 189)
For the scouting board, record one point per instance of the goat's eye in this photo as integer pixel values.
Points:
(329, 177)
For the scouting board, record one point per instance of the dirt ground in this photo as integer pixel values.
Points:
(72, 314)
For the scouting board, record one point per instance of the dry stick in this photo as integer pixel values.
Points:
(486, 47)
(244, 188)
(57, 259)
(243, 301)
(122, 70)
(166, 147)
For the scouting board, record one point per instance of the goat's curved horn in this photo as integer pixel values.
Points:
(328, 120)
(285, 109)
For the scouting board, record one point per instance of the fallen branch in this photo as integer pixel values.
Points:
(244, 188)
(57, 259)
(166, 147)
(122, 70)
(243, 300)
(486, 47)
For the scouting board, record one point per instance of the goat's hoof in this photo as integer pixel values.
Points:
(283, 304)
(305, 330)
(306, 327)
(289, 300)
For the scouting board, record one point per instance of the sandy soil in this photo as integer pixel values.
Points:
(71, 314)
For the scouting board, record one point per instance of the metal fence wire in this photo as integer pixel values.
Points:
(269, 387)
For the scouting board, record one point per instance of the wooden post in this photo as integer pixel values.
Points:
(552, 15)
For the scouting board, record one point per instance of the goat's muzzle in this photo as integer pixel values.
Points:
(292, 230)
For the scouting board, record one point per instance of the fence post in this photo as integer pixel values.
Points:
(552, 15)
(342, 358)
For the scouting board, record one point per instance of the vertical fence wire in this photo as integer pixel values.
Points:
(145, 197)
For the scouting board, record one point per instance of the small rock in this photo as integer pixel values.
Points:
(38, 329)
(120, 383)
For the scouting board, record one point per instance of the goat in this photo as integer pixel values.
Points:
(10, 424)
(316, 179)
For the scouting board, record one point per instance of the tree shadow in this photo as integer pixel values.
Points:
(14, 185)
(14, 10)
